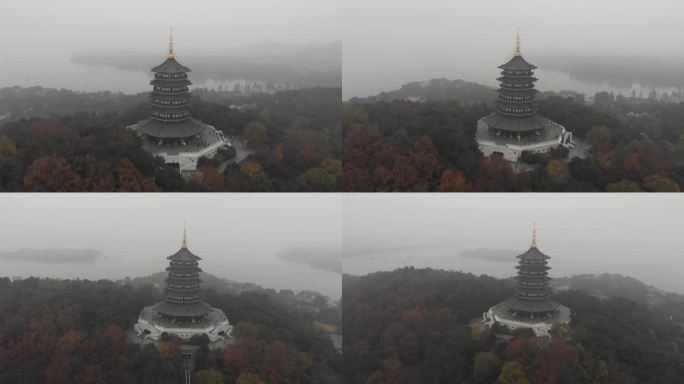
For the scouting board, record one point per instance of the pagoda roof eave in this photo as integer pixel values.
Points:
(516, 103)
(172, 108)
(521, 79)
(531, 306)
(170, 82)
(517, 63)
(532, 279)
(184, 254)
(502, 122)
(183, 280)
(181, 269)
(169, 96)
(157, 129)
(196, 309)
(183, 290)
(533, 254)
(517, 92)
(171, 66)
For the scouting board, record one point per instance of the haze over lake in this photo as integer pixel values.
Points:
(42, 56)
(389, 43)
(276, 241)
(632, 235)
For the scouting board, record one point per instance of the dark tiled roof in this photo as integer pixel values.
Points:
(184, 268)
(517, 124)
(171, 66)
(184, 254)
(197, 309)
(154, 128)
(517, 63)
(171, 82)
(533, 254)
(519, 80)
(517, 92)
(531, 306)
(177, 280)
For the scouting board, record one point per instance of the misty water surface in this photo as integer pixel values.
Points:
(635, 235)
(388, 43)
(276, 241)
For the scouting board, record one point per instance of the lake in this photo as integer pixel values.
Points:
(357, 83)
(662, 271)
(56, 72)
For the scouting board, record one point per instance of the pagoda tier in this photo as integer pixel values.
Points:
(532, 289)
(182, 300)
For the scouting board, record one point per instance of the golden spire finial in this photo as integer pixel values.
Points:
(172, 55)
(534, 236)
(185, 238)
(517, 44)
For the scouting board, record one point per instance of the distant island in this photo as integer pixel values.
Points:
(281, 65)
(618, 70)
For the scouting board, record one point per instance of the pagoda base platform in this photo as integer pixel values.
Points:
(151, 325)
(541, 326)
(205, 144)
(511, 146)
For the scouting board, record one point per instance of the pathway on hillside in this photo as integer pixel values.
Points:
(241, 152)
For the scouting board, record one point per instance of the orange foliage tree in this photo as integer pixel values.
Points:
(52, 174)
(132, 180)
(453, 181)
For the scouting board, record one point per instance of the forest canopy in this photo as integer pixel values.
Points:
(79, 331)
(413, 325)
(293, 138)
(398, 142)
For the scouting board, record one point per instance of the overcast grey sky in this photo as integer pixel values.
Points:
(297, 240)
(242, 237)
(39, 38)
(391, 42)
(638, 235)
(45, 26)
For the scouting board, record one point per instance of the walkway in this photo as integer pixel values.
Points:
(241, 152)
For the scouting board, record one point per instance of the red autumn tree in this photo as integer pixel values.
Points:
(557, 170)
(452, 181)
(632, 165)
(211, 178)
(99, 177)
(516, 349)
(425, 159)
(360, 146)
(274, 360)
(555, 360)
(52, 174)
(497, 175)
(132, 180)
(235, 358)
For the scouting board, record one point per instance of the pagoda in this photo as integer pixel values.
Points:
(530, 306)
(182, 302)
(516, 126)
(170, 131)
(182, 313)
